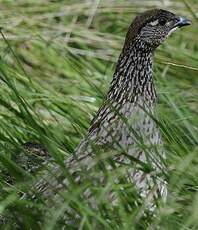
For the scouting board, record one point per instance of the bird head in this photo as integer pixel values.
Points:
(152, 27)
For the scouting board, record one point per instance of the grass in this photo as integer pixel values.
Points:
(57, 59)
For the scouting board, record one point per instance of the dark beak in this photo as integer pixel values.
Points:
(182, 21)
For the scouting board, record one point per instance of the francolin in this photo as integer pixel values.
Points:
(124, 129)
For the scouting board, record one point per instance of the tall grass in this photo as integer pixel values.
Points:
(57, 59)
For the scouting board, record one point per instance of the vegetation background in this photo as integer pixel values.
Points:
(56, 61)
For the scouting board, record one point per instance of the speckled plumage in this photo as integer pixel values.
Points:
(124, 127)
(124, 118)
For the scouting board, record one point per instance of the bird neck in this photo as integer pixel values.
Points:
(132, 80)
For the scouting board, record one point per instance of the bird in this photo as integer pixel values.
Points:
(125, 128)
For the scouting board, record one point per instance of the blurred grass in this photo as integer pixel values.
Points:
(56, 61)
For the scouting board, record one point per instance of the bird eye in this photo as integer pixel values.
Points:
(162, 21)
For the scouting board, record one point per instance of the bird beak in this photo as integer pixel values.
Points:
(182, 21)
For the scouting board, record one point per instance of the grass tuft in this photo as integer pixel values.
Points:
(56, 61)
